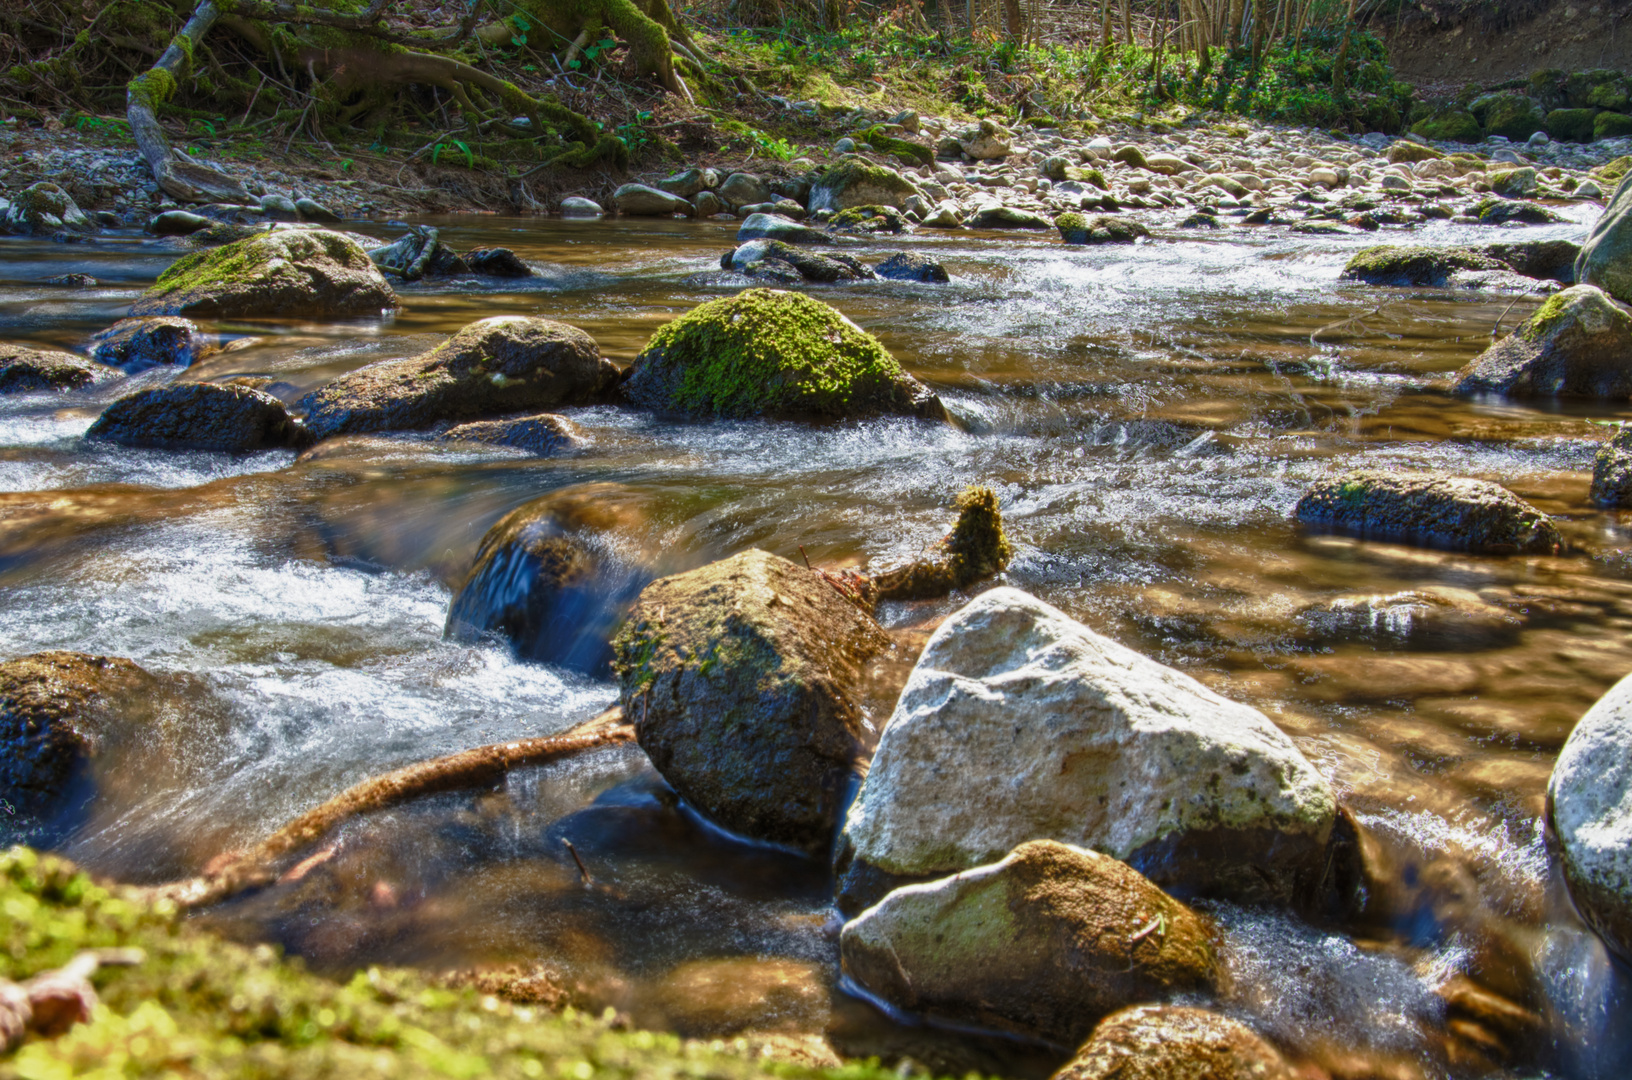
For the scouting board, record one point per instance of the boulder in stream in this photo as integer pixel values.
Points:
(498, 262)
(1577, 344)
(910, 266)
(1174, 1042)
(540, 433)
(495, 366)
(1606, 257)
(200, 416)
(787, 264)
(739, 677)
(777, 227)
(1006, 217)
(1043, 943)
(44, 209)
(292, 272)
(1612, 471)
(53, 722)
(1453, 513)
(1589, 801)
(853, 182)
(638, 200)
(1020, 723)
(766, 352)
(23, 369)
(154, 341)
(1412, 265)
(548, 579)
(1078, 228)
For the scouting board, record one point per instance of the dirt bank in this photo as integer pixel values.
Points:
(1441, 45)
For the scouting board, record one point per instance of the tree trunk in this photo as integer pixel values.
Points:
(1127, 23)
(1238, 18)
(1340, 64)
(1104, 24)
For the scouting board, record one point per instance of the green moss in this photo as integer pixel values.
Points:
(766, 351)
(1611, 125)
(1547, 318)
(1413, 265)
(978, 546)
(1455, 125)
(1073, 227)
(1614, 170)
(153, 88)
(872, 218)
(200, 1007)
(888, 144)
(1573, 125)
(851, 172)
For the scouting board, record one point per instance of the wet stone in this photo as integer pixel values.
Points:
(907, 266)
(542, 433)
(159, 340)
(1578, 344)
(1166, 1042)
(1612, 471)
(23, 369)
(496, 262)
(1437, 511)
(200, 416)
(290, 272)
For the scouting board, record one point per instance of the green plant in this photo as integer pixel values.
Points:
(436, 152)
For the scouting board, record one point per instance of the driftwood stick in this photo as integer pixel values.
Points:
(484, 766)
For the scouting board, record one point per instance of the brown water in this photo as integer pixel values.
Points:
(1149, 416)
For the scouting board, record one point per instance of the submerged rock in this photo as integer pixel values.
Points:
(740, 677)
(547, 579)
(541, 433)
(765, 352)
(1612, 471)
(1577, 344)
(200, 416)
(907, 266)
(1043, 943)
(23, 369)
(853, 182)
(786, 263)
(1589, 800)
(1606, 257)
(44, 209)
(496, 262)
(1172, 1042)
(1436, 511)
(1019, 723)
(53, 721)
(302, 272)
(727, 996)
(1077, 228)
(497, 365)
(159, 340)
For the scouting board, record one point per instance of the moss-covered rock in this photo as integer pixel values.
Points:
(1570, 125)
(773, 259)
(1078, 228)
(1606, 257)
(1452, 125)
(230, 1010)
(499, 365)
(1165, 1042)
(1499, 211)
(1611, 125)
(44, 209)
(548, 579)
(200, 416)
(975, 549)
(985, 141)
(23, 369)
(869, 219)
(853, 182)
(1389, 265)
(1510, 115)
(1042, 943)
(902, 148)
(1545, 260)
(1436, 511)
(155, 341)
(1612, 471)
(1514, 183)
(1576, 345)
(301, 272)
(766, 352)
(1614, 172)
(1599, 88)
(54, 718)
(740, 677)
(1405, 151)
(1007, 217)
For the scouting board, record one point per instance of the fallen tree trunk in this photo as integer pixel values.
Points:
(484, 766)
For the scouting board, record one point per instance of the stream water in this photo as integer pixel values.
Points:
(1148, 414)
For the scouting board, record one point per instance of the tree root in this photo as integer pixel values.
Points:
(484, 766)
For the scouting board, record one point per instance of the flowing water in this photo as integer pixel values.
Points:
(1148, 414)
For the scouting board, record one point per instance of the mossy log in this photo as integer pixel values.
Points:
(484, 766)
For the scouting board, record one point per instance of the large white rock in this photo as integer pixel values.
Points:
(1019, 723)
(1590, 800)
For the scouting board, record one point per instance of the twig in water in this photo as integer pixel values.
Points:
(1496, 330)
(805, 557)
(582, 869)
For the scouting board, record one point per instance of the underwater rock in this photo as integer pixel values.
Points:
(23, 369)
(155, 341)
(766, 352)
(1043, 942)
(495, 366)
(1435, 511)
(200, 416)
(1169, 1042)
(724, 997)
(302, 272)
(1020, 723)
(1577, 344)
(739, 677)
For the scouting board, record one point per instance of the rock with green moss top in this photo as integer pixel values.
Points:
(200, 416)
(1007, 217)
(44, 209)
(1405, 151)
(985, 141)
(1579, 344)
(853, 182)
(765, 352)
(1512, 116)
(740, 677)
(1100, 229)
(774, 259)
(23, 370)
(869, 219)
(298, 272)
(1452, 125)
(1026, 944)
(1599, 88)
(1514, 183)
(1612, 471)
(902, 148)
(1020, 723)
(500, 365)
(1499, 211)
(1434, 511)
(1614, 172)
(1388, 265)
(1611, 125)
(1570, 125)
